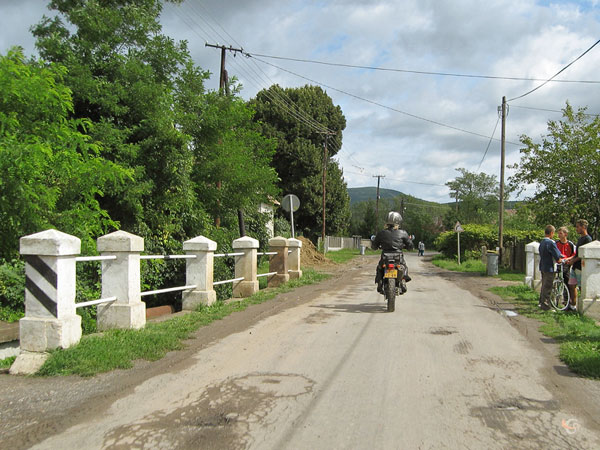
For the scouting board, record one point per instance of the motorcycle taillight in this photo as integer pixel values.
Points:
(391, 266)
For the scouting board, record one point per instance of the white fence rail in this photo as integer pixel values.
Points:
(334, 243)
(50, 267)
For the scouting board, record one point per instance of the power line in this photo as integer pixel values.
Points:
(550, 110)
(419, 72)
(288, 106)
(490, 141)
(557, 73)
(395, 179)
(377, 103)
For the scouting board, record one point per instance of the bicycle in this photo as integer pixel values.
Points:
(560, 298)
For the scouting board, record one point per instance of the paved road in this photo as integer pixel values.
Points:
(443, 371)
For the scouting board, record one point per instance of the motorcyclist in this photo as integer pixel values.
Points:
(391, 240)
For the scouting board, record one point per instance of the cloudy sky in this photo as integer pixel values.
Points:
(414, 128)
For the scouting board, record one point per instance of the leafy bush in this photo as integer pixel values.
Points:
(282, 227)
(12, 285)
(476, 236)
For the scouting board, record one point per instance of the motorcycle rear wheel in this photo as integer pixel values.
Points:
(390, 295)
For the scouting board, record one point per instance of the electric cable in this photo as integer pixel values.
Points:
(419, 72)
(556, 74)
(290, 108)
(490, 141)
(377, 103)
(550, 110)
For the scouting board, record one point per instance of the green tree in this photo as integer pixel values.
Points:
(122, 72)
(298, 158)
(232, 159)
(476, 195)
(562, 170)
(52, 174)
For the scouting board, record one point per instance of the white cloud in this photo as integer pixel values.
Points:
(498, 37)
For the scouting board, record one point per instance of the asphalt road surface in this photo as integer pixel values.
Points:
(445, 370)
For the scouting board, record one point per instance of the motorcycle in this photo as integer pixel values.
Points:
(393, 278)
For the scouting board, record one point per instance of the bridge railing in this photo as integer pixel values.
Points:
(590, 272)
(50, 267)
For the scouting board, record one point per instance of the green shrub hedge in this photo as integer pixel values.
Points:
(476, 236)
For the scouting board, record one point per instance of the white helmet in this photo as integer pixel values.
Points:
(393, 218)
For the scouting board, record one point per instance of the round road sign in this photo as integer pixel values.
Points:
(290, 203)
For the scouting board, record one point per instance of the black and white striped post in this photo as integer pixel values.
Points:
(50, 320)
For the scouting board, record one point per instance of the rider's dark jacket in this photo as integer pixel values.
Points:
(390, 240)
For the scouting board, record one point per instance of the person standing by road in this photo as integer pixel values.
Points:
(548, 254)
(574, 261)
(567, 249)
(421, 248)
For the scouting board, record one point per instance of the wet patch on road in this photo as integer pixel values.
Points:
(497, 362)
(463, 347)
(442, 331)
(219, 419)
(319, 317)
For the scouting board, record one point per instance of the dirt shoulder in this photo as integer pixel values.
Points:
(580, 394)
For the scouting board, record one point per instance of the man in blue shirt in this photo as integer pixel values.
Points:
(548, 254)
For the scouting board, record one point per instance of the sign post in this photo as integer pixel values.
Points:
(459, 229)
(291, 203)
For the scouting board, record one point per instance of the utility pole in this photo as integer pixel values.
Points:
(224, 90)
(402, 211)
(223, 78)
(501, 211)
(325, 161)
(379, 177)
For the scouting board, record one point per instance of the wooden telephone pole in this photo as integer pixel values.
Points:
(501, 209)
(379, 177)
(325, 161)
(224, 90)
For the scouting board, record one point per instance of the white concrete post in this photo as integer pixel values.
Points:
(245, 266)
(121, 279)
(279, 262)
(590, 272)
(530, 250)
(199, 271)
(294, 258)
(50, 320)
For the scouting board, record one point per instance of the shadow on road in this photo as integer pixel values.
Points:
(372, 308)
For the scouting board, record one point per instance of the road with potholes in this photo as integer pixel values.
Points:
(329, 369)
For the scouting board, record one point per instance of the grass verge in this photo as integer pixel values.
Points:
(117, 349)
(579, 336)
(470, 265)
(475, 266)
(7, 362)
(346, 254)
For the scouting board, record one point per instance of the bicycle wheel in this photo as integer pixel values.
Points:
(557, 295)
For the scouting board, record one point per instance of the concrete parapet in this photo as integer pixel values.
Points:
(50, 320)
(121, 279)
(199, 272)
(590, 271)
(532, 270)
(279, 262)
(245, 267)
(295, 246)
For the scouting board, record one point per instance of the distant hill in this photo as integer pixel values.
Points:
(370, 193)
